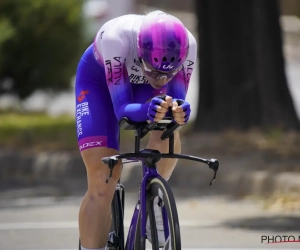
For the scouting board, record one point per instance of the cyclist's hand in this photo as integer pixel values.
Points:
(158, 107)
(181, 111)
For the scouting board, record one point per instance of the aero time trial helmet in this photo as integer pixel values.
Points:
(162, 41)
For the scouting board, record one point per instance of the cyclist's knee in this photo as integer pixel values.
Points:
(97, 172)
(155, 137)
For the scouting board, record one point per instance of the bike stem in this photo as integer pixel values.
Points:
(140, 133)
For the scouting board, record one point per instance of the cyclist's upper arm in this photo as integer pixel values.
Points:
(114, 50)
(178, 86)
(114, 46)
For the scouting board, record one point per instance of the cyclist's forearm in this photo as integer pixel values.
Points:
(134, 111)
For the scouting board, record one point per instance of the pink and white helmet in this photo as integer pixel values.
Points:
(162, 41)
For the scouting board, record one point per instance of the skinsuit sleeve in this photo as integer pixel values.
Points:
(178, 86)
(115, 47)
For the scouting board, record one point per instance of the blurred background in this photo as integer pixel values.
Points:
(245, 97)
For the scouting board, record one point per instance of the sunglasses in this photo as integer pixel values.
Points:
(156, 74)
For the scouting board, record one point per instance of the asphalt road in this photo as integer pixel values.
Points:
(38, 223)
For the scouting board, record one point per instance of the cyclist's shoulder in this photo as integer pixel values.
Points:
(192, 39)
(192, 55)
(118, 36)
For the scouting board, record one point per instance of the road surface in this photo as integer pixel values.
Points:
(40, 223)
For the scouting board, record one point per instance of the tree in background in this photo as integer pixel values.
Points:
(242, 77)
(40, 43)
(290, 7)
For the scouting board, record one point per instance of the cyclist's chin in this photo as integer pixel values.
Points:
(157, 84)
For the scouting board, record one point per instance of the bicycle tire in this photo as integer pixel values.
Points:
(117, 212)
(139, 243)
(159, 187)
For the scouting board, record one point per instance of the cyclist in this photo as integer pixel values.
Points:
(133, 60)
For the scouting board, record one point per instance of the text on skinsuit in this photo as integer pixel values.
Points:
(82, 109)
(137, 79)
(189, 70)
(92, 141)
(114, 70)
(90, 144)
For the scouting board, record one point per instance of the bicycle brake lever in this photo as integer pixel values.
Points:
(110, 175)
(111, 163)
(214, 178)
(214, 165)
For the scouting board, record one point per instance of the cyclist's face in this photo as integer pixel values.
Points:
(157, 78)
(157, 84)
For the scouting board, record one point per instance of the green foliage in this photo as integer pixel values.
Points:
(37, 132)
(40, 43)
(6, 31)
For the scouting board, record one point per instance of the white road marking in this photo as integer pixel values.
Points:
(74, 224)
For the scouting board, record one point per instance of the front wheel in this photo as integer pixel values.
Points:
(116, 236)
(158, 190)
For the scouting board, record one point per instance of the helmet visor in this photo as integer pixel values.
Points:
(157, 74)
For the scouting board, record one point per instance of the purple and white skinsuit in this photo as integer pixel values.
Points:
(110, 83)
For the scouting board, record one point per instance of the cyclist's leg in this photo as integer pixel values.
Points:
(97, 132)
(95, 210)
(165, 166)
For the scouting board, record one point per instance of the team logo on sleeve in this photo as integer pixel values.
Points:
(109, 75)
(81, 95)
(189, 69)
(115, 70)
